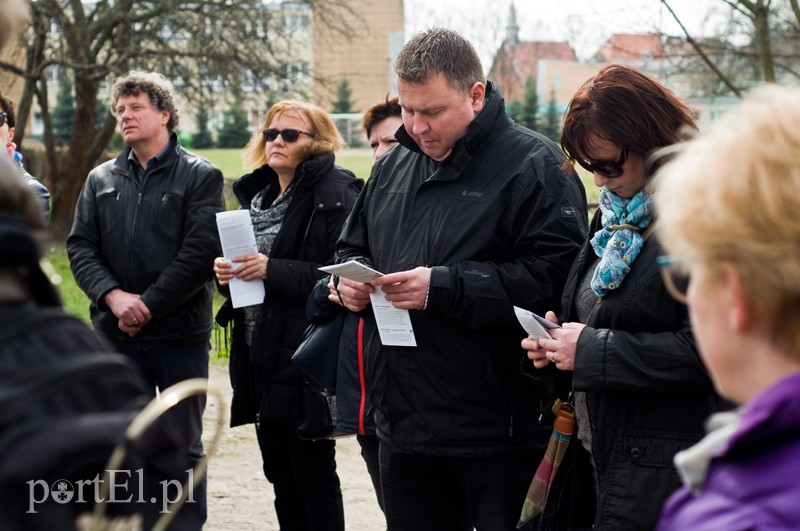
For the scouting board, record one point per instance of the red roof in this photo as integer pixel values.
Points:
(527, 54)
(630, 47)
(513, 65)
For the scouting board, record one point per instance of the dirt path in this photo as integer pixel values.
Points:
(239, 497)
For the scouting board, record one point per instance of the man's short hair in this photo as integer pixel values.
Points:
(379, 112)
(157, 87)
(439, 51)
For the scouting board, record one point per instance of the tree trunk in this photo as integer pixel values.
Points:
(763, 42)
(33, 72)
(70, 177)
(75, 164)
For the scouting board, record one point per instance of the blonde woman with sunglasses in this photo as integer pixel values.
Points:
(298, 201)
(736, 232)
(625, 350)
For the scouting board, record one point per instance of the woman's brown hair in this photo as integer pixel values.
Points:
(626, 107)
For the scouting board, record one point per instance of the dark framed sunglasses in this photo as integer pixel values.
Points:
(609, 168)
(3, 116)
(288, 135)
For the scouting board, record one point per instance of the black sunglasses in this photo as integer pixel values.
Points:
(609, 168)
(3, 116)
(288, 135)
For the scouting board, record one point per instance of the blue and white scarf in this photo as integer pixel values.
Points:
(619, 241)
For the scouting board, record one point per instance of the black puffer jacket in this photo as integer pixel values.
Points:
(648, 396)
(264, 380)
(158, 239)
(500, 223)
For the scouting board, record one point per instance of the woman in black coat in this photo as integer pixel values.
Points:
(626, 349)
(298, 201)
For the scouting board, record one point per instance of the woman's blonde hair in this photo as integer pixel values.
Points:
(732, 197)
(327, 138)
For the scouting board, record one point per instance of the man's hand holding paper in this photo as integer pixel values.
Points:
(354, 295)
(406, 290)
(391, 297)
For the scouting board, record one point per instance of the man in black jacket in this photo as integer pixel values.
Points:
(470, 216)
(142, 247)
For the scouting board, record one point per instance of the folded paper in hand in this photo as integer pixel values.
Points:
(352, 270)
(394, 324)
(536, 325)
(238, 239)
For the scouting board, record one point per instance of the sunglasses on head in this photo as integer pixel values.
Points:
(288, 135)
(609, 168)
(3, 116)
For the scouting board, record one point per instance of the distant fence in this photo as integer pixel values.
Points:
(349, 126)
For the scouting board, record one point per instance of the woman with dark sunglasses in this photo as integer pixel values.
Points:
(625, 351)
(298, 201)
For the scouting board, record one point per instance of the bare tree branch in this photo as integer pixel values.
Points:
(796, 10)
(737, 6)
(205, 46)
(761, 19)
(696, 46)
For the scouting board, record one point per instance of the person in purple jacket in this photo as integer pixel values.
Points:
(729, 208)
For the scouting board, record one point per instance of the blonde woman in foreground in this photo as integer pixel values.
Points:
(729, 209)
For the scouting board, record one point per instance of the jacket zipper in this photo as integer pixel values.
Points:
(139, 196)
(361, 379)
(308, 228)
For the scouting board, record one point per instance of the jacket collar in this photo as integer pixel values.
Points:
(307, 175)
(164, 158)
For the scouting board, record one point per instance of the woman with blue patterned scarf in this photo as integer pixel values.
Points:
(625, 349)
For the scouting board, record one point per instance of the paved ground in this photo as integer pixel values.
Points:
(239, 497)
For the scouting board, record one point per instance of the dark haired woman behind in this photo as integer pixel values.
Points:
(626, 348)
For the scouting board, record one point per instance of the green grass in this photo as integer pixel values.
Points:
(592, 191)
(229, 161)
(56, 265)
(357, 161)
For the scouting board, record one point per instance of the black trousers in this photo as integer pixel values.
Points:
(423, 492)
(308, 496)
(162, 367)
(369, 452)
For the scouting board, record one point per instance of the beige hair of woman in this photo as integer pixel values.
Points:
(327, 138)
(731, 199)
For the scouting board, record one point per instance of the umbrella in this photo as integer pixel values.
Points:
(540, 485)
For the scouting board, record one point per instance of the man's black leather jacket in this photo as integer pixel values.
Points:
(157, 239)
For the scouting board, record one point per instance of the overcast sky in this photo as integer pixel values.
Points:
(586, 24)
